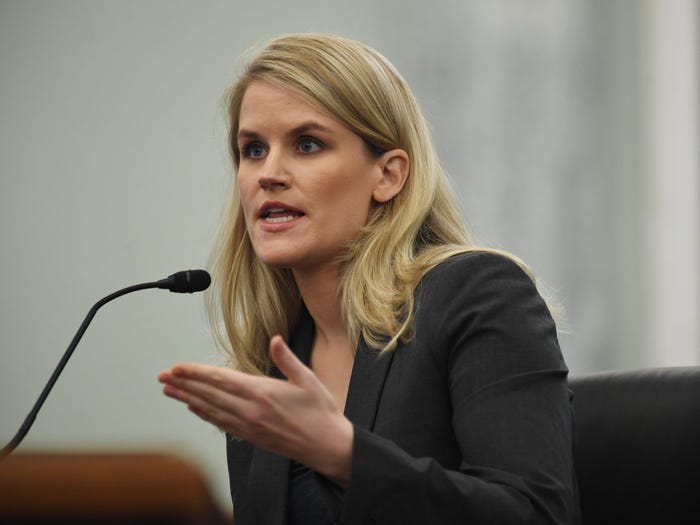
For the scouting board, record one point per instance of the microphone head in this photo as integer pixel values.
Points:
(187, 281)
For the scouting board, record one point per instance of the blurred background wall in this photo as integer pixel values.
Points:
(569, 129)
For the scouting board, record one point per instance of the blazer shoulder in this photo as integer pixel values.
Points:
(475, 268)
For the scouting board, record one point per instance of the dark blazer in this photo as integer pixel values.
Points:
(469, 422)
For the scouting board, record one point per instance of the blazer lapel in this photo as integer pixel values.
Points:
(366, 382)
(268, 482)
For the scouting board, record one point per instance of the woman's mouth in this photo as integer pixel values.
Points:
(277, 215)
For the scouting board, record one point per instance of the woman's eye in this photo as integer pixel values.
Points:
(254, 151)
(309, 145)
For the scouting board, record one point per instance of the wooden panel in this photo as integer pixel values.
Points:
(103, 488)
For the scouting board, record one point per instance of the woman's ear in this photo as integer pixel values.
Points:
(395, 166)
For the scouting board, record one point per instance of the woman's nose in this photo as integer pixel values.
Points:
(274, 173)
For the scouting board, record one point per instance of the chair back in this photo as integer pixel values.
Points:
(637, 450)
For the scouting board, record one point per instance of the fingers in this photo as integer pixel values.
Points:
(203, 398)
(189, 380)
(192, 383)
(231, 381)
(192, 393)
(288, 363)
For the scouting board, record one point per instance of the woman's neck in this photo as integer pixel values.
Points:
(319, 290)
(332, 352)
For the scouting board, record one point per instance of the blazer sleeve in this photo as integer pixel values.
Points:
(492, 333)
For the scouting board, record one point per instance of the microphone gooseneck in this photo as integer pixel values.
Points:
(188, 281)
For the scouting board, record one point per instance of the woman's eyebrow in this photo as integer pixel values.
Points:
(246, 134)
(312, 125)
(306, 127)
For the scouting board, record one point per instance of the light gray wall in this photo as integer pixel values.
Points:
(113, 170)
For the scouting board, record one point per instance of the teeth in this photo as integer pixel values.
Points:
(277, 214)
(279, 219)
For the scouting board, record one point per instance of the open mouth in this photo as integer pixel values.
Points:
(276, 215)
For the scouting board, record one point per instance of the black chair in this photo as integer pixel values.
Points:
(637, 449)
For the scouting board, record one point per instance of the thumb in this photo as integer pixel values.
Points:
(288, 363)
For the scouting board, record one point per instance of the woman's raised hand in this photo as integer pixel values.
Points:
(296, 418)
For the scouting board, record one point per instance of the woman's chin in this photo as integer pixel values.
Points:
(278, 260)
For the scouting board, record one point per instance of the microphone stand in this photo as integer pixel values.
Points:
(29, 420)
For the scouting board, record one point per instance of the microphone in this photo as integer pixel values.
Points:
(187, 281)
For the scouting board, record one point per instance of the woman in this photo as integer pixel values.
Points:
(385, 370)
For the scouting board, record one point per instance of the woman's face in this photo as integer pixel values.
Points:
(305, 180)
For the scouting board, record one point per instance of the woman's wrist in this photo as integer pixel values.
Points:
(336, 463)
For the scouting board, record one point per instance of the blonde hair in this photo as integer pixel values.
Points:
(403, 238)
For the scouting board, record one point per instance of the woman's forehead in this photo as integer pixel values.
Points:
(266, 102)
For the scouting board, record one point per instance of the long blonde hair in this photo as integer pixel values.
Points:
(403, 238)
